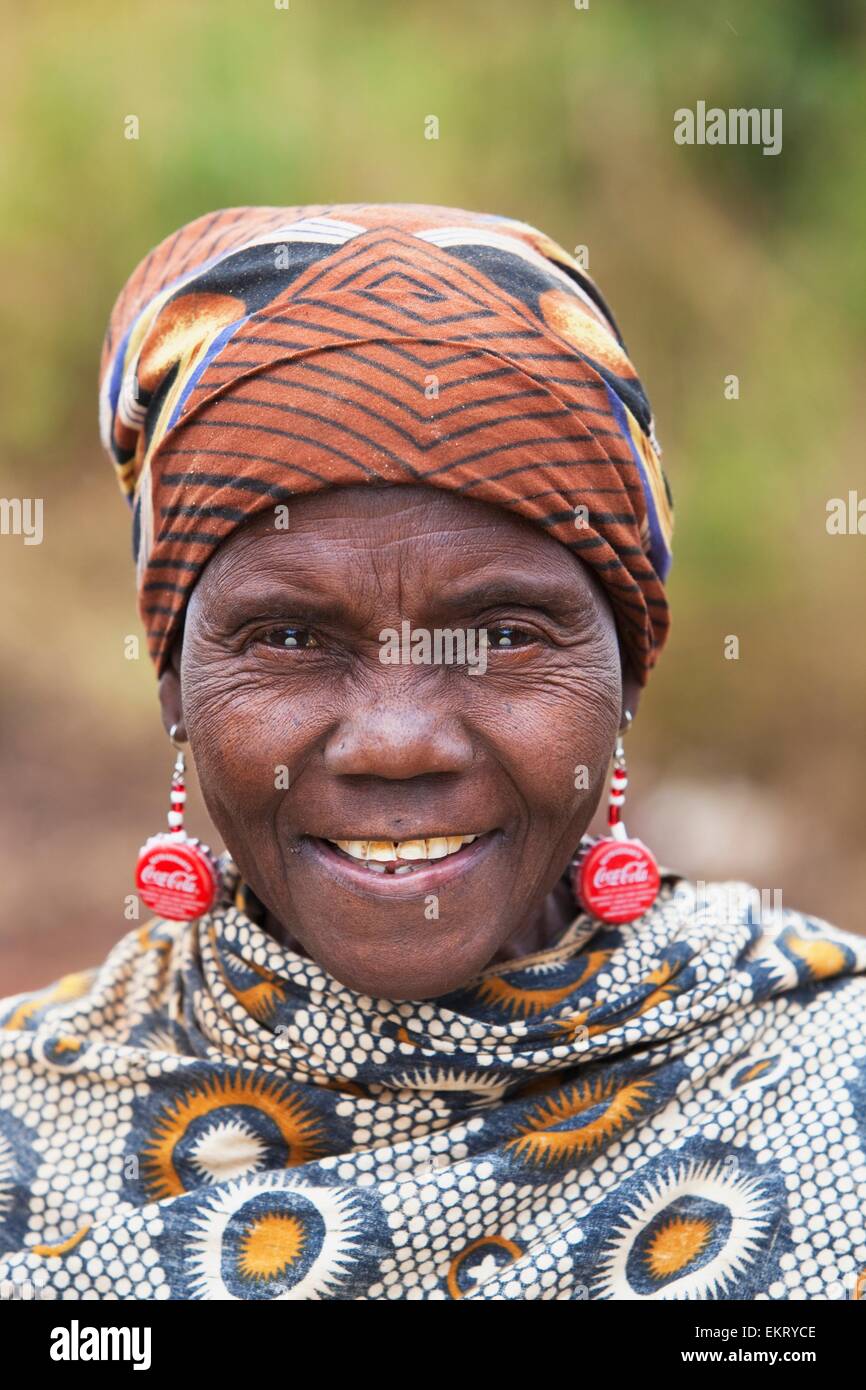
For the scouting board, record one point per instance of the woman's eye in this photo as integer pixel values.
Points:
(504, 636)
(500, 638)
(292, 638)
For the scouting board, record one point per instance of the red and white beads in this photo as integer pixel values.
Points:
(617, 879)
(176, 875)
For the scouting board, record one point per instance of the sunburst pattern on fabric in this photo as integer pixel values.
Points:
(602, 1108)
(479, 1260)
(271, 1244)
(530, 1001)
(152, 937)
(447, 1078)
(157, 1033)
(752, 1073)
(73, 986)
(227, 1150)
(63, 1247)
(63, 1052)
(692, 1153)
(539, 1085)
(158, 1040)
(223, 1126)
(259, 999)
(688, 1235)
(816, 957)
(676, 1244)
(260, 1239)
(662, 983)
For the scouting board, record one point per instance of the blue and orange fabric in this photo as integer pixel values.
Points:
(260, 353)
(672, 1109)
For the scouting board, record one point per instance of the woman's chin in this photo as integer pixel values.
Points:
(401, 936)
(395, 964)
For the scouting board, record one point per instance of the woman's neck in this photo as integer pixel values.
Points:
(542, 930)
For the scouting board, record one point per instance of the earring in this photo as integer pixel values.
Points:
(177, 876)
(617, 878)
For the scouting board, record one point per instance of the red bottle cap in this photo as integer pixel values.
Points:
(176, 877)
(617, 880)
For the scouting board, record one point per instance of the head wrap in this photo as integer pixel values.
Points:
(259, 354)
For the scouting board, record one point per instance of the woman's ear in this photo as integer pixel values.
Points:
(170, 699)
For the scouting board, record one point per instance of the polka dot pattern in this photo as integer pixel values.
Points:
(671, 1109)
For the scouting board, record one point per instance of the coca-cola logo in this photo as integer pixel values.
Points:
(635, 871)
(617, 880)
(176, 880)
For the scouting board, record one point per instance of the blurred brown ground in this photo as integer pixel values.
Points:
(715, 261)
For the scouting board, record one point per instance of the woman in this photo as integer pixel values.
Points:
(402, 534)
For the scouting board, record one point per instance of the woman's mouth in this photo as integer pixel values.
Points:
(402, 856)
(415, 864)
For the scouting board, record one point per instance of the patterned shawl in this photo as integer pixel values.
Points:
(674, 1109)
(259, 354)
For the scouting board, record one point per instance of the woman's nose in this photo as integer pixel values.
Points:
(397, 740)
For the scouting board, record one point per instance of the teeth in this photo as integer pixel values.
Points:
(377, 853)
(437, 848)
(412, 849)
(381, 850)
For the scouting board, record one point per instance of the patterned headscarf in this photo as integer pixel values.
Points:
(259, 354)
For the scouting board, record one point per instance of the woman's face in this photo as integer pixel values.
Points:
(303, 735)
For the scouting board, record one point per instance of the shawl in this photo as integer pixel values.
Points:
(260, 354)
(672, 1109)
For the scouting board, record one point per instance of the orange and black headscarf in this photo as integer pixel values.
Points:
(261, 353)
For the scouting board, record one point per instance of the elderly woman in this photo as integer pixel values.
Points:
(402, 535)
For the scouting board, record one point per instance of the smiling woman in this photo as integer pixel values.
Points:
(416, 1033)
(415, 758)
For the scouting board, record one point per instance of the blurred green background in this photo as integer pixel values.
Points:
(716, 260)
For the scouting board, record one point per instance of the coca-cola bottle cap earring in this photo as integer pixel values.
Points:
(177, 876)
(617, 878)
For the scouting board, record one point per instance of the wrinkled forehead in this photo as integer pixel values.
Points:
(400, 545)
